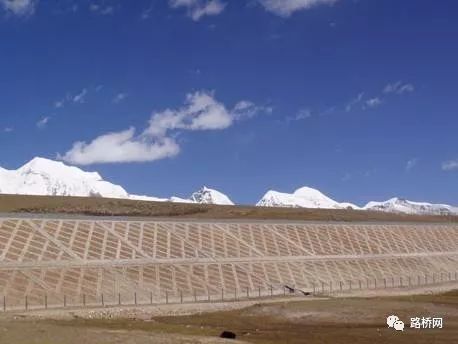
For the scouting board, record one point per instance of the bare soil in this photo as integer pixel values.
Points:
(117, 207)
(334, 320)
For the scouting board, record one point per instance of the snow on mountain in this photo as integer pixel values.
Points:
(53, 178)
(147, 198)
(304, 197)
(399, 205)
(175, 199)
(47, 177)
(210, 196)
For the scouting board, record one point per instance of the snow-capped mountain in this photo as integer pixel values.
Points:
(399, 205)
(53, 178)
(210, 196)
(46, 177)
(304, 197)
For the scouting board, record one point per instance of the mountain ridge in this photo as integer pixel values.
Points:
(47, 177)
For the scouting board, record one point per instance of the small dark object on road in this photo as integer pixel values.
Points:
(228, 335)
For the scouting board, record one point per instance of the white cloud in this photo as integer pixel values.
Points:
(372, 102)
(360, 101)
(147, 11)
(119, 97)
(19, 7)
(80, 97)
(101, 9)
(198, 8)
(354, 102)
(201, 111)
(245, 109)
(399, 88)
(43, 122)
(59, 104)
(8, 130)
(450, 165)
(411, 164)
(303, 114)
(120, 147)
(300, 115)
(285, 8)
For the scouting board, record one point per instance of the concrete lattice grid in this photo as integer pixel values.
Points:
(80, 259)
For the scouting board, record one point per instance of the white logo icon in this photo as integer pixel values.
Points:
(398, 325)
(391, 320)
(394, 322)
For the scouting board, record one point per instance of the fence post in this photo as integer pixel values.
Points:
(418, 280)
(84, 300)
(235, 294)
(195, 296)
(46, 301)
(349, 284)
(222, 294)
(4, 303)
(65, 301)
(271, 291)
(360, 285)
(26, 304)
(259, 291)
(103, 302)
(426, 279)
(375, 283)
(119, 299)
(181, 296)
(384, 282)
(208, 295)
(247, 293)
(135, 298)
(340, 285)
(367, 283)
(392, 281)
(330, 287)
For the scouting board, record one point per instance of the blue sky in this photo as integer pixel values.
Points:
(355, 98)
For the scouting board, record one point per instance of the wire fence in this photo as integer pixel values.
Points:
(164, 297)
(415, 281)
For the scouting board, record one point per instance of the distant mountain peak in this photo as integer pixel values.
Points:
(56, 168)
(46, 177)
(304, 197)
(206, 195)
(402, 205)
(41, 176)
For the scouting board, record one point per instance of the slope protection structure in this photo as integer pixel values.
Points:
(84, 260)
